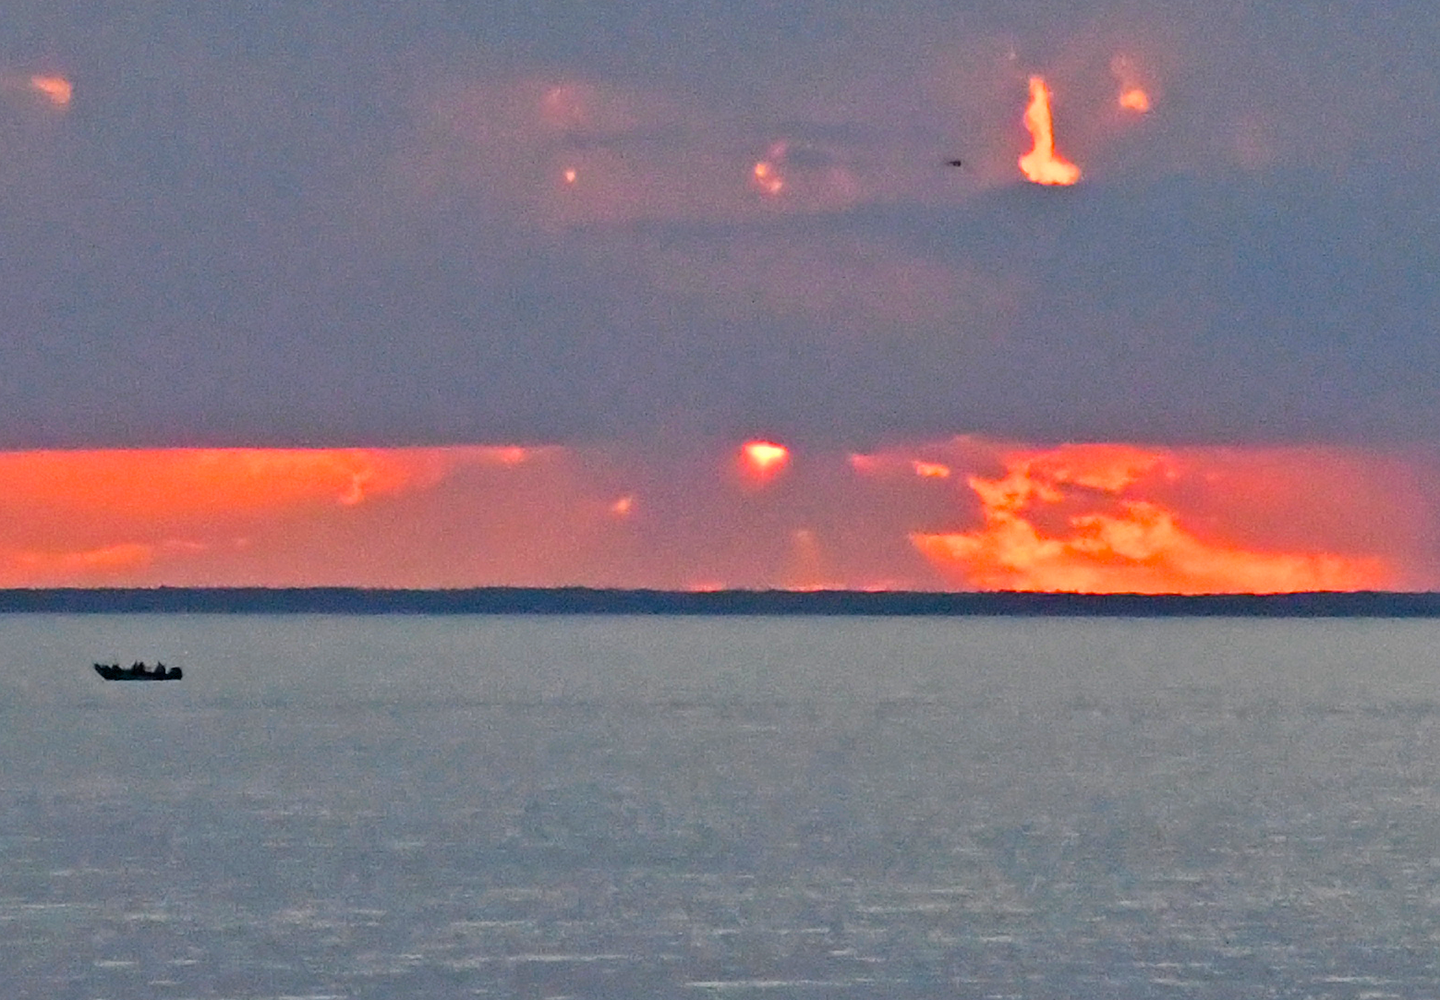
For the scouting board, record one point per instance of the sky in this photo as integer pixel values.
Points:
(532, 276)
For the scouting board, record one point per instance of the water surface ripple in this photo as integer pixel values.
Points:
(405, 807)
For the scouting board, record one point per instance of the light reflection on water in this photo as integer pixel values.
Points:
(627, 807)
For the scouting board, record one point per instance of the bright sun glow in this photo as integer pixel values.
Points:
(763, 460)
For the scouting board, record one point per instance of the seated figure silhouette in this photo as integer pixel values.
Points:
(138, 670)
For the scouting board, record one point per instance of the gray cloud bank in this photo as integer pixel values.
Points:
(350, 224)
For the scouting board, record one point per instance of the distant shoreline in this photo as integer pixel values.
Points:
(594, 601)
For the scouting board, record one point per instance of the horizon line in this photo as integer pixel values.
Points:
(587, 600)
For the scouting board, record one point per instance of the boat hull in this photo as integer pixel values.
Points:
(115, 672)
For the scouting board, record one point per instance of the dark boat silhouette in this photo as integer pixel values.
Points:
(138, 672)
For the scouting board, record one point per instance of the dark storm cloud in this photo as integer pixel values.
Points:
(349, 224)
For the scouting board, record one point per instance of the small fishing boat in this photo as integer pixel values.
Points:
(138, 672)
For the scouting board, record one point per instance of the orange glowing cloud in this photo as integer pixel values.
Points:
(762, 461)
(1134, 94)
(810, 176)
(894, 465)
(1073, 519)
(189, 482)
(1043, 165)
(1098, 517)
(100, 562)
(1135, 100)
(766, 179)
(292, 516)
(55, 89)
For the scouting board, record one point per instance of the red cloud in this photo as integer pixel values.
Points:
(1100, 517)
(1108, 518)
(187, 481)
(106, 564)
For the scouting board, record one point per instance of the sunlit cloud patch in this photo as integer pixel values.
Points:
(55, 89)
(189, 482)
(1043, 165)
(1134, 91)
(1114, 518)
(51, 91)
(209, 515)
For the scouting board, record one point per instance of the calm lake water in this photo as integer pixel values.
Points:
(408, 807)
